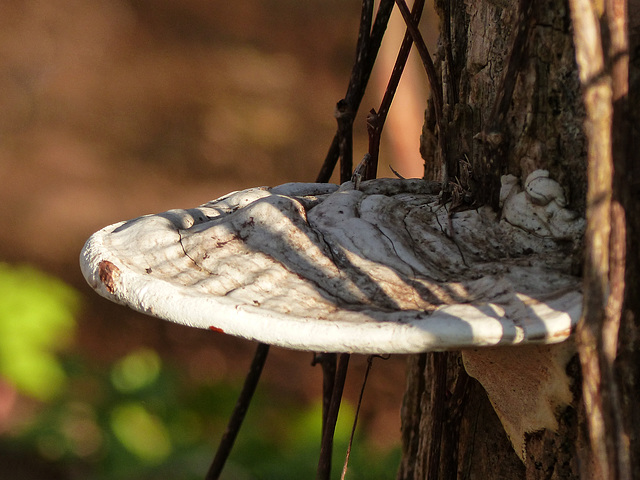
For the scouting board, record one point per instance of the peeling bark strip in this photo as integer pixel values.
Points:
(605, 236)
(383, 269)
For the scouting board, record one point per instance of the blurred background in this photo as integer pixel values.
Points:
(111, 109)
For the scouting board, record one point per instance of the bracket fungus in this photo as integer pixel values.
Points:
(384, 268)
(378, 267)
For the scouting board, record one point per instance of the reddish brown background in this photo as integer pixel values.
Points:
(111, 109)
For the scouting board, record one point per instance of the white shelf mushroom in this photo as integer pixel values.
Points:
(378, 269)
(326, 268)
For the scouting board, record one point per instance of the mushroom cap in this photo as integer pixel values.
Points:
(322, 267)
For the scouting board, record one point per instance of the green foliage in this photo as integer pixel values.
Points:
(36, 319)
(140, 418)
(141, 432)
(136, 371)
(286, 446)
(169, 428)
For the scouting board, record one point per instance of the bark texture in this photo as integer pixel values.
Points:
(509, 111)
(627, 364)
(513, 104)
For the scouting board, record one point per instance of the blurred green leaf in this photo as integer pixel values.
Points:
(136, 370)
(36, 319)
(141, 432)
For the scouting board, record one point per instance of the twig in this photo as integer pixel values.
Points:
(434, 83)
(355, 419)
(396, 173)
(235, 422)
(374, 129)
(356, 89)
(345, 139)
(360, 172)
(366, 53)
(376, 120)
(328, 363)
(427, 62)
(344, 108)
(324, 462)
(329, 164)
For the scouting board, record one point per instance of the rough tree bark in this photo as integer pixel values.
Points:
(515, 102)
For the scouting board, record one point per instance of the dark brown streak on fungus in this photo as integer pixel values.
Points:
(109, 275)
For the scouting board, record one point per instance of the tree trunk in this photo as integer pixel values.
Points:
(514, 103)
